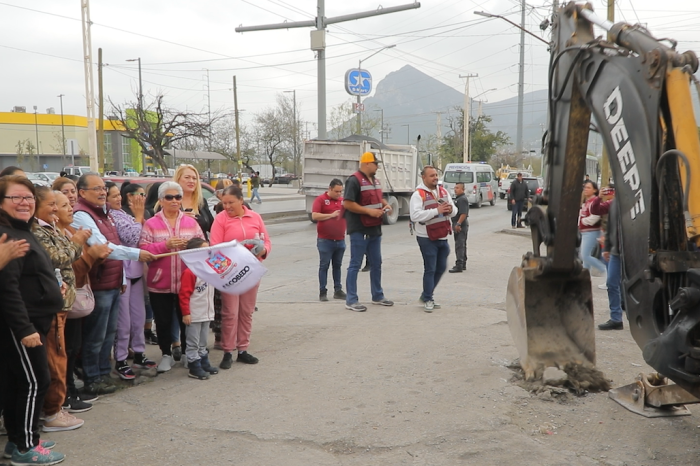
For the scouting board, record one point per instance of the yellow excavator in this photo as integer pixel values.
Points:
(635, 91)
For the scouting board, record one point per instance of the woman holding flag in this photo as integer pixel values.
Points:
(167, 231)
(239, 223)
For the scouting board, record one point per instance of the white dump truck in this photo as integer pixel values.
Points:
(399, 172)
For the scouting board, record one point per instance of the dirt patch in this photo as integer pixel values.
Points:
(580, 381)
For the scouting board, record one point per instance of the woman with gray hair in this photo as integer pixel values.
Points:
(167, 231)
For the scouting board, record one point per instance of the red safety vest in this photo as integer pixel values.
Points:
(370, 197)
(438, 227)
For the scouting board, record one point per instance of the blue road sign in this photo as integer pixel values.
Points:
(358, 82)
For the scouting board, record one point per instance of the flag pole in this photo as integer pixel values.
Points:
(185, 251)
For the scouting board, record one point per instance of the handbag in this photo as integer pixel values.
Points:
(84, 302)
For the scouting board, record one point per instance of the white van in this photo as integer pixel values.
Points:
(480, 183)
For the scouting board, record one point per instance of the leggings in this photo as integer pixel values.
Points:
(163, 305)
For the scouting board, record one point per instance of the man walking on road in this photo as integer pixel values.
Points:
(328, 212)
(614, 277)
(518, 194)
(255, 184)
(460, 225)
(364, 213)
(431, 208)
(106, 281)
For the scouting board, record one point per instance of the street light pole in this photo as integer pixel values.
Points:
(294, 92)
(63, 129)
(140, 113)
(359, 101)
(408, 134)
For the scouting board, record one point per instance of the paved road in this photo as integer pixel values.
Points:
(391, 386)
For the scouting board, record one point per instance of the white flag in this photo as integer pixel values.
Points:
(229, 267)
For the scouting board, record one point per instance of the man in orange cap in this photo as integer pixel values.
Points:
(364, 213)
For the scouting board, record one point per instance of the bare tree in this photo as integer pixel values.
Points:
(269, 131)
(154, 126)
(343, 121)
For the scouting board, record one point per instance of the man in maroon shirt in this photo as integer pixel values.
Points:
(327, 212)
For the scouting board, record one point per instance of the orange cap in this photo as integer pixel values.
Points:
(368, 157)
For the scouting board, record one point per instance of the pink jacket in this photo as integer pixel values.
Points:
(249, 226)
(164, 273)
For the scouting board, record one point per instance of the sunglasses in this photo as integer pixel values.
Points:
(170, 197)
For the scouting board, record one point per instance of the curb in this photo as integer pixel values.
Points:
(282, 217)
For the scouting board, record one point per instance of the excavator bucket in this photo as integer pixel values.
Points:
(551, 320)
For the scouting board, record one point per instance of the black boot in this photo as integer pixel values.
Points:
(339, 294)
(206, 365)
(227, 361)
(196, 371)
(323, 296)
(456, 269)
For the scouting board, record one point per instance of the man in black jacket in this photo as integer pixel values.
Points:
(518, 194)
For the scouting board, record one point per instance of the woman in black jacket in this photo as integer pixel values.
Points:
(31, 297)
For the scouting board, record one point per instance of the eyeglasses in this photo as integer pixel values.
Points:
(19, 199)
(97, 189)
(170, 197)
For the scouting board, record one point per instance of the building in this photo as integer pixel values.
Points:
(35, 142)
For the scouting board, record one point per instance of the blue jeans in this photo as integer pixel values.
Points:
(589, 239)
(330, 250)
(434, 263)
(372, 246)
(99, 330)
(254, 195)
(614, 281)
(516, 212)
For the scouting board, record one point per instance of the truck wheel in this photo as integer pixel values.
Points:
(479, 202)
(391, 218)
(493, 201)
(311, 219)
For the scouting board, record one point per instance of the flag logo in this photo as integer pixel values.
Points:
(219, 263)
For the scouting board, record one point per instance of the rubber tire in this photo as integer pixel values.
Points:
(493, 201)
(394, 216)
(479, 202)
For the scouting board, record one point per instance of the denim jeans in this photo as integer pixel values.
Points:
(99, 330)
(434, 263)
(330, 250)
(517, 212)
(372, 246)
(614, 281)
(589, 240)
(254, 195)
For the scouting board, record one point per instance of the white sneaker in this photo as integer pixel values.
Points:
(62, 421)
(429, 306)
(165, 364)
(603, 286)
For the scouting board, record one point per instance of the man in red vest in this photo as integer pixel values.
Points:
(364, 213)
(106, 280)
(431, 208)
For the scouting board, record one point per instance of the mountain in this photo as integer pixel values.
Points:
(411, 99)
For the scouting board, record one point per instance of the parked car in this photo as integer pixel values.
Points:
(77, 170)
(38, 180)
(284, 179)
(49, 177)
(535, 184)
(504, 184)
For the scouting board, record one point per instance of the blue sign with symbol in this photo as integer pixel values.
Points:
(358, 82)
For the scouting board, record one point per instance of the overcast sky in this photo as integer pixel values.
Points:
(41, 48)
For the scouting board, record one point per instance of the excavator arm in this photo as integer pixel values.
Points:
(635, 90)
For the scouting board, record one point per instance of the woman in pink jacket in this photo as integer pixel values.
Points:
(239, 223)
(167, 231)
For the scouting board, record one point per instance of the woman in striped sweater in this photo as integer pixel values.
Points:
(167, 231)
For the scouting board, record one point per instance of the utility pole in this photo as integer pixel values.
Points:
(89, 85)
(438, 133)
(101, 114)
(359, 99)
(141, 116)
(381, 131)
(318, 44)
(63, 129)
(605, 162)
(36, 130)
(465, 157)
(521, 84)
(238, 129)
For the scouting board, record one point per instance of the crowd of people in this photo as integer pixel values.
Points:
(85, 268)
